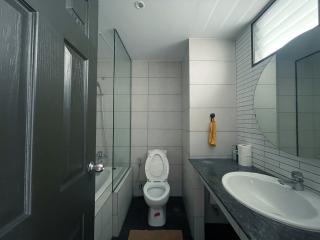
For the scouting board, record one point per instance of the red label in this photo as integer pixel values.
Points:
(157, 214)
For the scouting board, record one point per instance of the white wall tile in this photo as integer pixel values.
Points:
(212, 96)
(211, 49)
(175, 189)
(192, 179)
(164, 120)
(139, 69)
(164, 103)
(212, 72)
(138, 174)
(139, 120)
(138, 154)
(165, 69)
(164, 86)
(174, 155)
(139, 85)
(162, 138)
(175, 173)
(105, 68)
(139, 137)
(139, 102)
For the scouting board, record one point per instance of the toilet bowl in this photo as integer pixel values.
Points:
(156, 190)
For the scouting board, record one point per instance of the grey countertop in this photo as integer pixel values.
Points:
(254, 225)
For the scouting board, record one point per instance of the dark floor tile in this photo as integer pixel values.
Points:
(220, 231)
(137, 218)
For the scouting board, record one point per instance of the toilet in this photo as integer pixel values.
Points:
(156, 190)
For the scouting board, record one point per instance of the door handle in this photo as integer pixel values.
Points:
(92, 167)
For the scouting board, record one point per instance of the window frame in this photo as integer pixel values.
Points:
(256, 18)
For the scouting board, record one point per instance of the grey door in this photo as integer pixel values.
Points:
(47, 118)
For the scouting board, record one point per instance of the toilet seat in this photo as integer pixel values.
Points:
(156, 191)
(157, 166)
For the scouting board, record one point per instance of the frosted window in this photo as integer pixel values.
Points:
(283, 21)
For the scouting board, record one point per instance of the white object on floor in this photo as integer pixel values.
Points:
(245, 155)
(156, 190)
(265, 195)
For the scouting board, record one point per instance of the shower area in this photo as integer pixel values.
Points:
(113, 135)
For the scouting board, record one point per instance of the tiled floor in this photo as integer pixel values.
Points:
(220, 231)
(176, 219)
(138, 212)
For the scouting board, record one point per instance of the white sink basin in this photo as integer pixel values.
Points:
(265, 195)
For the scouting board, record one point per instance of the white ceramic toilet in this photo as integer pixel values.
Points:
(156, 190)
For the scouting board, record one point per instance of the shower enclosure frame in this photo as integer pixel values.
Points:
(116, 34)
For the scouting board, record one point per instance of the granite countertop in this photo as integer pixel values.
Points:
(254, 225)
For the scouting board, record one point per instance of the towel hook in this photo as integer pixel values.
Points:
(212, 116)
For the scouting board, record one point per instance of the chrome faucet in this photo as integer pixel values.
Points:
(296, 183)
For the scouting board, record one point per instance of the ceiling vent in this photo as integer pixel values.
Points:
(139, 4)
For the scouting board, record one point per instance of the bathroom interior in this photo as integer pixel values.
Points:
(195, 119)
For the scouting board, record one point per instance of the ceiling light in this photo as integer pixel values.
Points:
(139, 4)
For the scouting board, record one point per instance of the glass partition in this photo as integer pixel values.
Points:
(104, 120)
(113, 126)
(121, 110)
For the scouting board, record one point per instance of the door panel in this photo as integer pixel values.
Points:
(79, 11)
(75, 95)
(16, 32)
(47, 121)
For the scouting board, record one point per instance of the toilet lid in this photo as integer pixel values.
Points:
(157, 166)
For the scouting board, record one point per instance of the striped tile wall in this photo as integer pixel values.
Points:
(265, 155)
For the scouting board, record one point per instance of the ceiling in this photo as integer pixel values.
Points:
(160, 30)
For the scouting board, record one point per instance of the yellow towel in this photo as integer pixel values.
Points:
(213, 132)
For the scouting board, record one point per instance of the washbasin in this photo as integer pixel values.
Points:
(265, 195)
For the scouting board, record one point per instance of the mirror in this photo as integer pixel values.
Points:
(287, 97)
